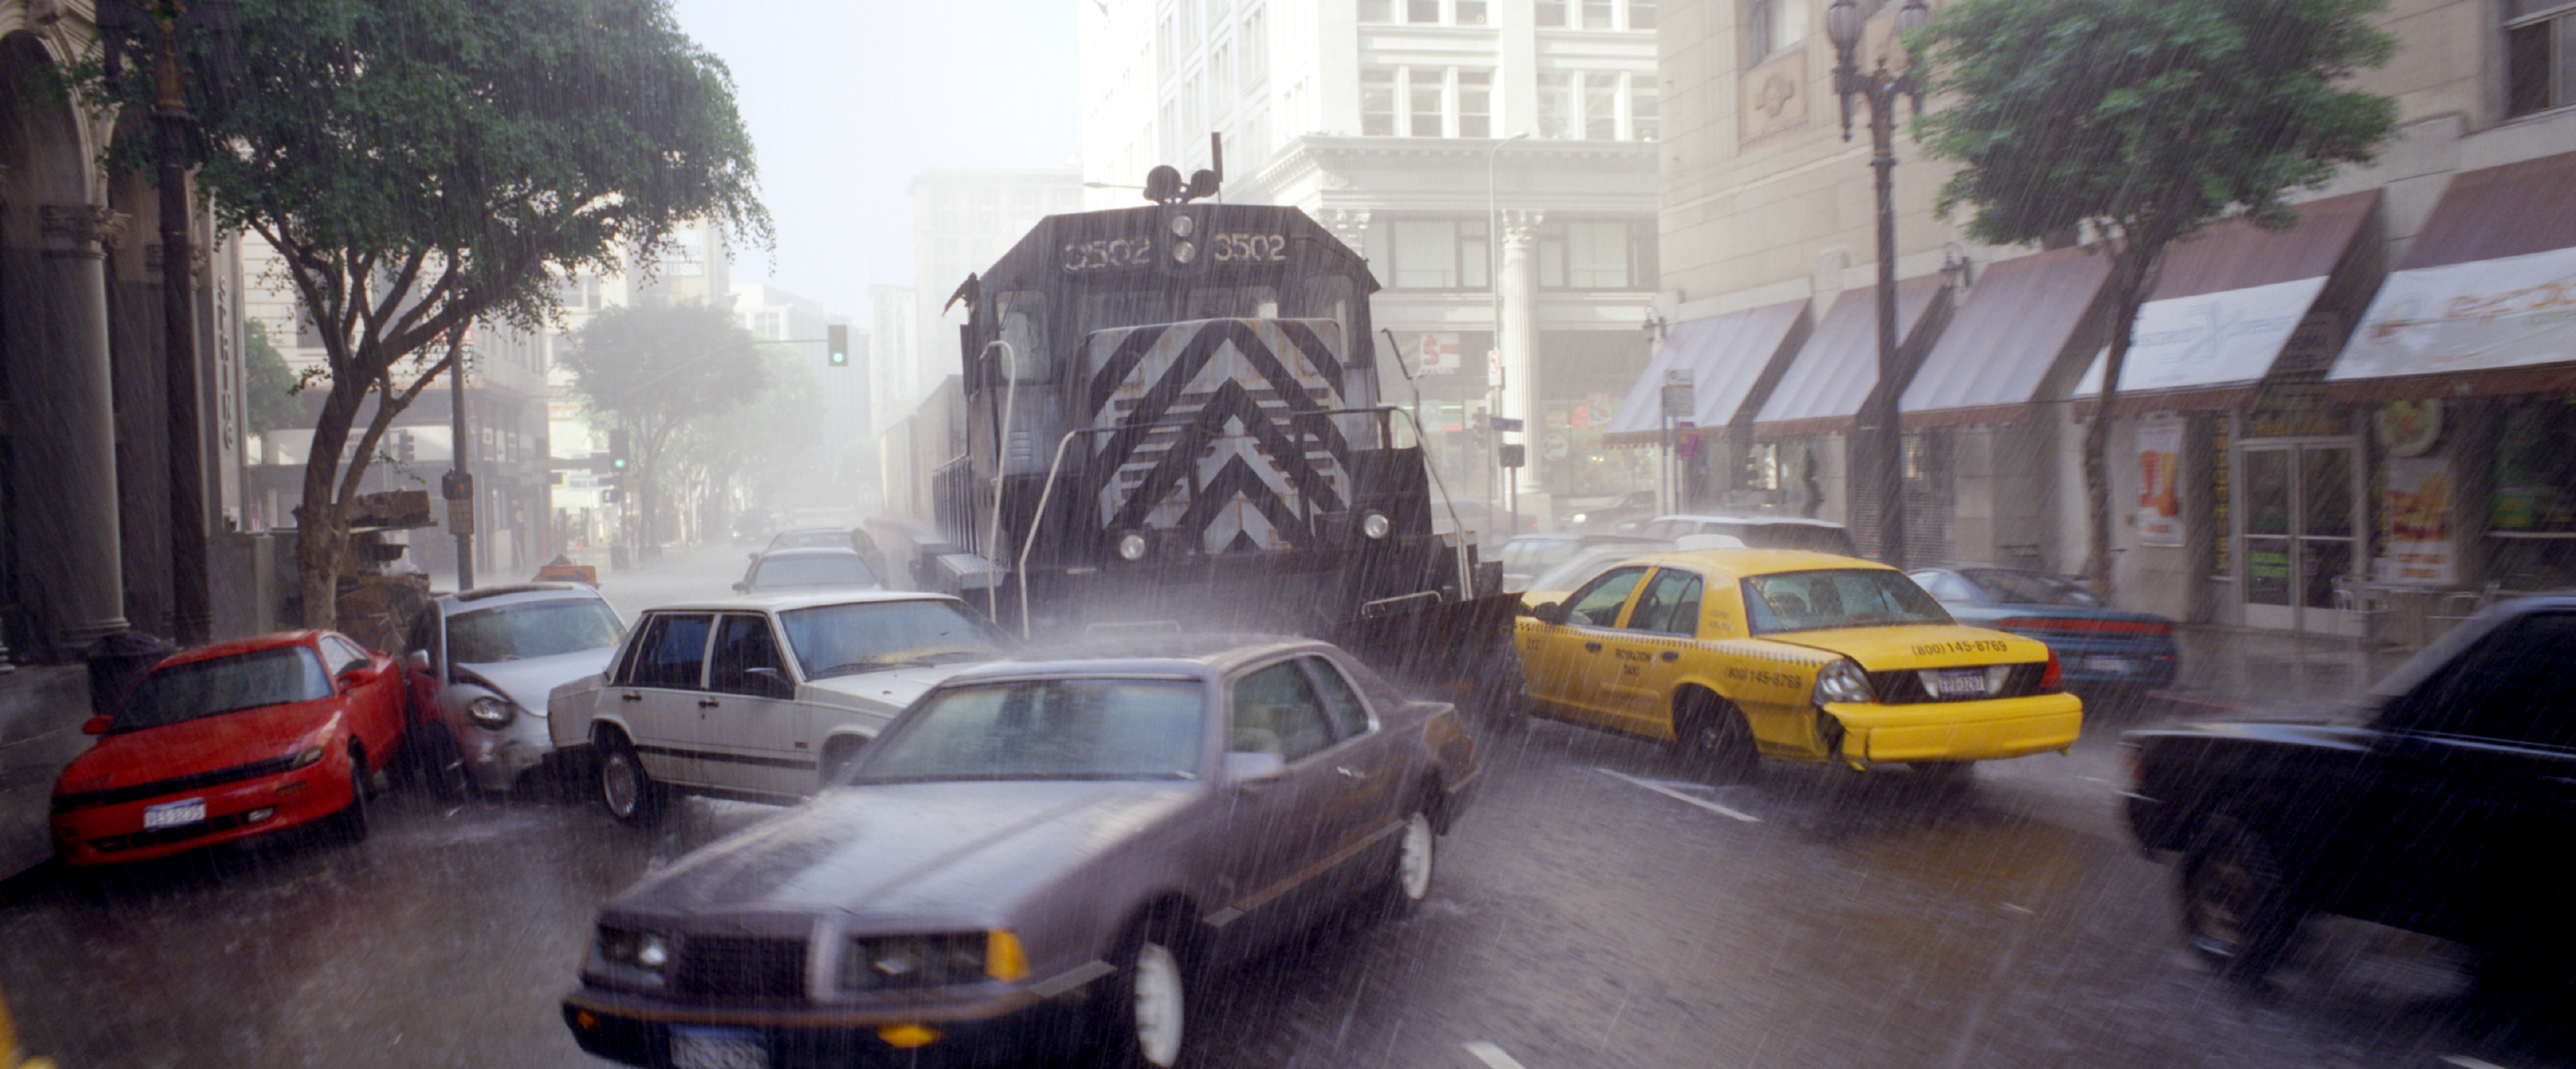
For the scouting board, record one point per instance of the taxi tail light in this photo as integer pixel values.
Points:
(2048, 676)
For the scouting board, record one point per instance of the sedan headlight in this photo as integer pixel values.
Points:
(630, 957)
(492, 712)
(1843, 682)
(310, 755)
(890, 962)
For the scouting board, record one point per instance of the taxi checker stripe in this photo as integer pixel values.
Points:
(1208, 337)
(1286, 453)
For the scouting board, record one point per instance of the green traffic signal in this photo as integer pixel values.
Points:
(838, 344)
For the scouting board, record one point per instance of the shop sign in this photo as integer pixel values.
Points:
(2415, 523)
(1437, 354)
(2474, 316)
(2159, 481)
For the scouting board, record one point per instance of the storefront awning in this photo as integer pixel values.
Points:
(1728, 357)
(1830, 378)
(2227, 302)
(2485, 301)
(2014, 329)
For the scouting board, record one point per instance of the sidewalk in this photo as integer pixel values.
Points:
(41, 710)
(2226, 667)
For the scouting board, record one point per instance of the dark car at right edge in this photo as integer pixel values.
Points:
(2439, 801)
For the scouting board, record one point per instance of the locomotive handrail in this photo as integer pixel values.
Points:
(1046, 493)
(1001, 457)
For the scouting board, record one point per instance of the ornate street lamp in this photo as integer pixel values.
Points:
(1884, 439)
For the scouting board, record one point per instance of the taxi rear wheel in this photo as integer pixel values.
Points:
(1710, 738)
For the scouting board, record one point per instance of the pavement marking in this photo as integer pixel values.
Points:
(1492, 1055)
(1671, 793)
(2466, 1062)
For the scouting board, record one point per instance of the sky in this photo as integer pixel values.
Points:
(847, 99)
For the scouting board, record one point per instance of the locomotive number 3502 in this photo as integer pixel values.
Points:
(1256, 248)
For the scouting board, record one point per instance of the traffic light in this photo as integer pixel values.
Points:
(617, 449)
(837, 344)
(404, 450)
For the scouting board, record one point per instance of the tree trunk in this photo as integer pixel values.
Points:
(2133, 273)
(321, 538)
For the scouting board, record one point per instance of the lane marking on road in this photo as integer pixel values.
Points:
(2466, 1062)
(1671, 793)
(1492, 1055)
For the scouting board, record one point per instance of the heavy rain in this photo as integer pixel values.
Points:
(1496, 534)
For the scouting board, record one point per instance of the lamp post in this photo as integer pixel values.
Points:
(1494, 282)
(1880, 88)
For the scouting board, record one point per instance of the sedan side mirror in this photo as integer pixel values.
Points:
(418, 660)
(1254, 769)
(741, 586)
(358, 677)
(96, 725)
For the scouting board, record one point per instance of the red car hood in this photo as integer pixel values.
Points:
(202, 745)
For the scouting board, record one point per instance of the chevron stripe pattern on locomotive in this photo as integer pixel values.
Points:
(1223, 432)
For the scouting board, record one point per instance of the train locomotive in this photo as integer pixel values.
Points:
(1172, 417)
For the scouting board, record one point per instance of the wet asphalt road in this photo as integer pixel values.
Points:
(1593, 910)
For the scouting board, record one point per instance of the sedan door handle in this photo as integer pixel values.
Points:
(630, 697)
(1591, 647)
(706, 703)
(1350, 773)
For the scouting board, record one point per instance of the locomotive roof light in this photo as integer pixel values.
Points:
(1183, 225)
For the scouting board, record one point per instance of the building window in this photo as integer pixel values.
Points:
(1422, 11)
(1423, 94)
(1475, 103)
(1551, 14)
(1600, 107)
(1772, 27)
(1437, 254)
(1377, 102)
(1255, 35)
(1644, 110)
(1377, 10)
(2539, 55)
(1641, 14)
(1596, 254)
(1556, 104)
(1471, 12)
(1596, 14)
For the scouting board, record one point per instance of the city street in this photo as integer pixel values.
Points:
(1595, 909)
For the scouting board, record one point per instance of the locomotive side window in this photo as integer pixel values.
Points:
(1023, 318)
(1327, 297)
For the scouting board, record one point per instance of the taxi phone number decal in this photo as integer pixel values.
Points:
(1974, 645)
(1766, 677)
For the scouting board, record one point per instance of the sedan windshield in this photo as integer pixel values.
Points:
(532, 629)
(821, 570)
(198, 689)
(1839, 597)
(1046, 729)
(837, 640)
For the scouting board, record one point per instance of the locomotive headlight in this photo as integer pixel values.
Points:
(1376, 525)
(1182, 225)
(1184, 252)
(1132, 546)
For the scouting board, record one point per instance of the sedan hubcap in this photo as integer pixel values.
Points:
(1158, 1004)
(617, 784)
(1413, 867)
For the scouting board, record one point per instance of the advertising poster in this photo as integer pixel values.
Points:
(2415, 523)
(2159, 484)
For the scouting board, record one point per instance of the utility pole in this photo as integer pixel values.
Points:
(458, 487)
(191, 611)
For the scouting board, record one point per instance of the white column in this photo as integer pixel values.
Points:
(65, 463)
(1518, 339)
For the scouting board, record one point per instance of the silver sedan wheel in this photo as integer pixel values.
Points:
(1160, 1012)
(1413, 860)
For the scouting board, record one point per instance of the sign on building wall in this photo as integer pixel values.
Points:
(2159, 484)
(2415, 523)
(1437, 353)
(2475, 316)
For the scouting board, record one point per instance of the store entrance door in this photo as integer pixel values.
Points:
(2296, 534)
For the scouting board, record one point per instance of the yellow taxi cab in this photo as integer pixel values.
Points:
(1734, 654)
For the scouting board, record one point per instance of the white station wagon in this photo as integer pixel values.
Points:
(759, 698)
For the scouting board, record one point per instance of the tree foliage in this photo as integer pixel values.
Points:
(269, 386)
(426, 164)
(656, 368)
(2143, 121)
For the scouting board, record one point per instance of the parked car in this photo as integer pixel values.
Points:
(1632, 507)
(1759, 530)
(1730, 654)
(482, 665)
(850, 538)
(755, 525)
(2115, 653)
(2434, 803)
(1036, 863)
(757, 698)
(807, 569)
(1582, 567)
(1526, 557)
(231, 741)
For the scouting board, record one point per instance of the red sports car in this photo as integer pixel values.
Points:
(229, 741)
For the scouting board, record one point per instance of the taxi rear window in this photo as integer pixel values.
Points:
(1836, 597)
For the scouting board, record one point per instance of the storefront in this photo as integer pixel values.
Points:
(2244, 478)
(1695, 401)
(1811, 420)
(1991, 393)
(2465, 369)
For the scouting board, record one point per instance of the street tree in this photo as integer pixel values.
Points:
(656, 368)
(2140, 122)
(766, 447)
(425, 165)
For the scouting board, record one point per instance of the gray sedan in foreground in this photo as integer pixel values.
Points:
(1035, 863)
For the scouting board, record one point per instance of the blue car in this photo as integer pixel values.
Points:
(2110, 652)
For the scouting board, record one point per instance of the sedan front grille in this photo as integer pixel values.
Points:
(733, 967)
(65, 803)
(1906, 687)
